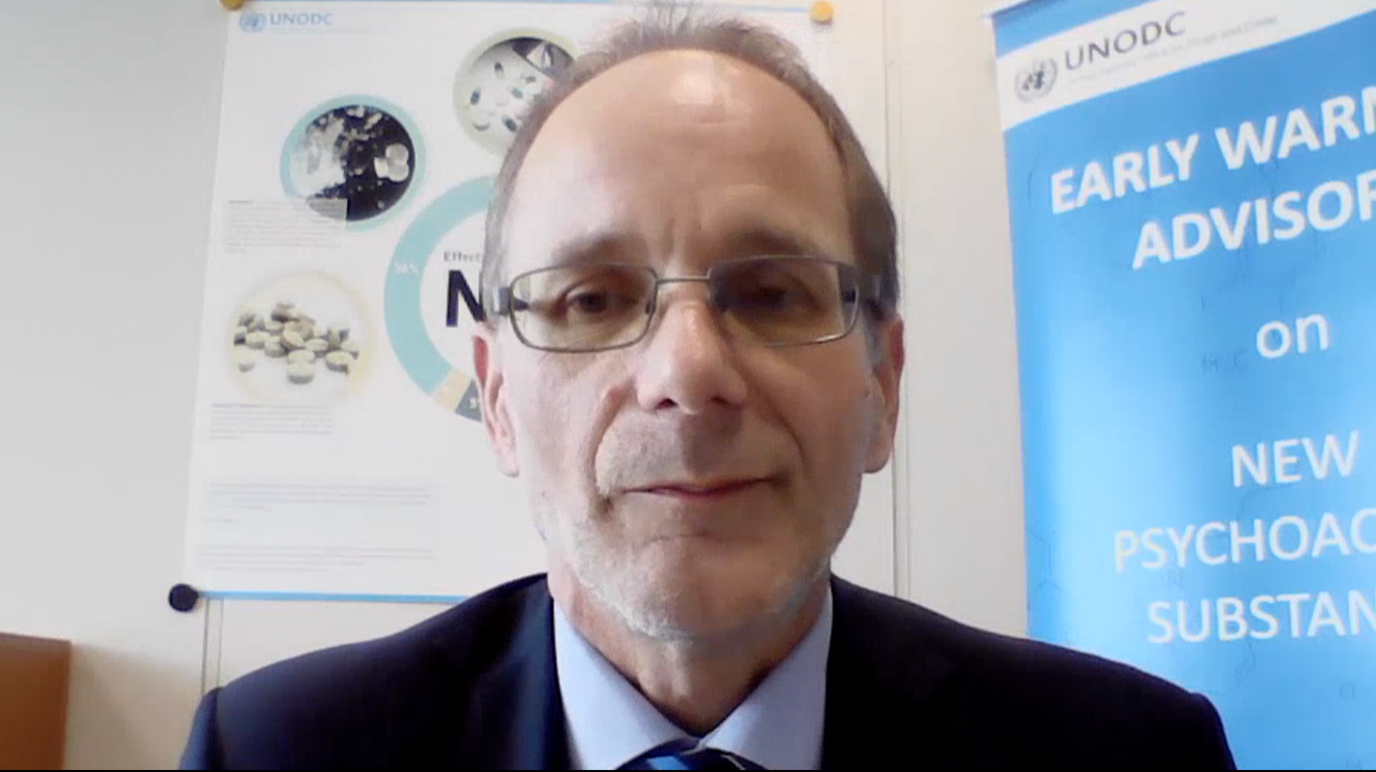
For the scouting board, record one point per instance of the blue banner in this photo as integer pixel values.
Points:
(1193, 197)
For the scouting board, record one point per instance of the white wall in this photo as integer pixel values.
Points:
(107, 124)
(110, 114)
(964, 461)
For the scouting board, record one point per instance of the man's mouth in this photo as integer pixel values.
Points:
(702, 491)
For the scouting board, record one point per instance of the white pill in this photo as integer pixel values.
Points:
(318, 345)
(272, 326)
(254, 324)
(273, 347)
(243, 358)
(301, 372)
(292, 340)
(256, 339)
(301, 355)
(350, 347)
(339, 361)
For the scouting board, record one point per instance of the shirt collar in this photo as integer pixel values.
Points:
(609, 722)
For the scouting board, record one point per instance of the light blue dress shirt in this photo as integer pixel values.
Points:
(609, 722)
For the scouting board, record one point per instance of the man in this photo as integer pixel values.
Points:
(692, 356)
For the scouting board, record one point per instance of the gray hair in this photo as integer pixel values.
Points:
(665, 27)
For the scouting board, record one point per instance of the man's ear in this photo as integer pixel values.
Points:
(887, 374)
(492, 390)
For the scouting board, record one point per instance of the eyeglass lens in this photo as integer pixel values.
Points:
(768, 300)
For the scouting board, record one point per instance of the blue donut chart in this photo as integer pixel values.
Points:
(414, 349)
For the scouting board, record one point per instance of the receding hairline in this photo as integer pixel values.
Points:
(670, 28)
(557, 121)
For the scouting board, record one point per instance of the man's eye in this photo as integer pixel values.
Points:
(765, 298)
(590, 302)
(598, 302)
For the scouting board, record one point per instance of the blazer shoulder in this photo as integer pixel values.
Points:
(903, 629)
(333, 704)
(997, 679)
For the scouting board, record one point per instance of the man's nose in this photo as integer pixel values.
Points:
(688, 364)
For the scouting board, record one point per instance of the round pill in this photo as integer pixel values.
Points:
(318, 345)
(272, 326)
(256, 339)
(339, 361)
(350, 347)
(301, 372)
(273, 347)
(301, 355)
(243, 358)
(292, 340)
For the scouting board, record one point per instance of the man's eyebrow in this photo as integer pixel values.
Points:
(604, 247)
(764, 239)
(754, 240)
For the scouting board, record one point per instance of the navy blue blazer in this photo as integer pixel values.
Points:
(475, 686)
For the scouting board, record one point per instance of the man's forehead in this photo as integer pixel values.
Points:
(706, 85)
(664, 122)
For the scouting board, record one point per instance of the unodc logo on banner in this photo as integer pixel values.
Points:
(252, 21)
(1035, 80)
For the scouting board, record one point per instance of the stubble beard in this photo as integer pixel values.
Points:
(663, 610)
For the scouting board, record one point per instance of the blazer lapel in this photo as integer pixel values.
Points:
(515, 715)
(882, 681)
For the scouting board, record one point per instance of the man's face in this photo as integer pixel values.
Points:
(693, 484)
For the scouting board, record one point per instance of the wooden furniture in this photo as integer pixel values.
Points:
(33, 701)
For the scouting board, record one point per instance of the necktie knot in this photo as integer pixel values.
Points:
(685, 754)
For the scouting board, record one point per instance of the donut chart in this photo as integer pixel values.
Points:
(451, 386)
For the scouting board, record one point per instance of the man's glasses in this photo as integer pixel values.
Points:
(777, 300)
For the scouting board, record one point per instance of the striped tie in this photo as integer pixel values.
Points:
(685, 754)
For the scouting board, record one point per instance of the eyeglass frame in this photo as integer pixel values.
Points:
(868, 287)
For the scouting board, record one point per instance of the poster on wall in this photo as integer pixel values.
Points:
(1193, 198)
(338, 448)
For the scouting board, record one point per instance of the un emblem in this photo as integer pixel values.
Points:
(1036, 79)
(252, 21)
